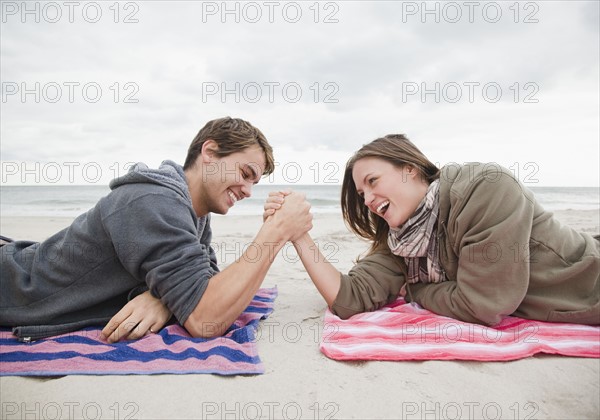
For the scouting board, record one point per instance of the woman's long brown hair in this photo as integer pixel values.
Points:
(400, 152)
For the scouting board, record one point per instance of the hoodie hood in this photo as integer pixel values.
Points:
(169, 175)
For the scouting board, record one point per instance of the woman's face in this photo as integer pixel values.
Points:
(388, 191)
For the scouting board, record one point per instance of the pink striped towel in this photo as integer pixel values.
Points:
(171, 350)
(402, 331)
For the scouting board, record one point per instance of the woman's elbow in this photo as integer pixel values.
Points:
(344, 312)
(488, 316)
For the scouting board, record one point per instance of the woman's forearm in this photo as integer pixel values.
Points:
(324, 275)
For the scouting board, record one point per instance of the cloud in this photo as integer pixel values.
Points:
(315, 88)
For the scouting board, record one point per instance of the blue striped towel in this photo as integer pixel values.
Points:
(172, 350)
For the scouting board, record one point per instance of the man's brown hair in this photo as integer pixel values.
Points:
(231, 135)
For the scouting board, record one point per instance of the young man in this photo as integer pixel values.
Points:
(152, 231)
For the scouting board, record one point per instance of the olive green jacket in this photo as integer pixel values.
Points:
(502, 253)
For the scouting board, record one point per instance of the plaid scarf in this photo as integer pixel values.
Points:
(416, 241)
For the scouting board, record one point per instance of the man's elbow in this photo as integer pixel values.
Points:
(203, 328)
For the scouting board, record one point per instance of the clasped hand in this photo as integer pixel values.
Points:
(291, 211)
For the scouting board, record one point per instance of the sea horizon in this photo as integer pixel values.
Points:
(73, 200)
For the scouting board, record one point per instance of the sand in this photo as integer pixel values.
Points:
(299, 381)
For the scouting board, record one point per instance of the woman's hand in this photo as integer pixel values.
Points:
(294, 218)
(274, 202)
(141, 315)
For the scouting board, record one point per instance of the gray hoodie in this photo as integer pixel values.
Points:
(144, 233)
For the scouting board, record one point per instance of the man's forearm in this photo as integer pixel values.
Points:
(229, 292)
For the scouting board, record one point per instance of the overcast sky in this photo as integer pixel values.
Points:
(89, 86)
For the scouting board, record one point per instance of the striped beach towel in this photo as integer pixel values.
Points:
(402, 331)
(172, 350)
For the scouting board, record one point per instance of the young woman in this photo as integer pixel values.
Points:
(467, 242)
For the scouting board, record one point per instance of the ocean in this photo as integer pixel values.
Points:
(71, 201)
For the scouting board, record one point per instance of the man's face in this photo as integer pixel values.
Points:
(229, 179)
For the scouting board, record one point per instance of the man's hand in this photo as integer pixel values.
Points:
(293, 217)
(142, 315)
